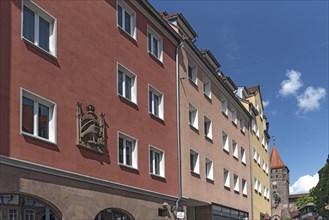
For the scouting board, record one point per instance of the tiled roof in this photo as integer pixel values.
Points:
(252, 89)
(276, 161)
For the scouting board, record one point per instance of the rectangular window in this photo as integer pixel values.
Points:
(255, 155)
(264, 165)
(255, 184)
(258, 158)
(127, 84)
(257, 131)
(126, 18)
(157, 162)
(242, 127)
(38, 116)
(209, 169)
(234, 117)
(236, 183)
(226, 178)
(263, 140)
(12, 214)
(127, 150)
(39, 27)
(224, 105)
(29, 214)
(244, 187)
(192, 71)
(207, 89)
(155, 43)
(207, 128)
(266, 169)
(156, 102)
(193, 116)
(243, 155)
(194, 162)
(259, 187)
(225, 142)
(253, 125)
(235, 149)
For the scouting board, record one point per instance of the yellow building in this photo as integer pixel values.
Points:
(259, 148)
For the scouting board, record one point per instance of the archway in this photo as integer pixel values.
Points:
(114, 214)
(27, 207)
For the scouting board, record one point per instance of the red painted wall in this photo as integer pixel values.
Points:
(89, 45)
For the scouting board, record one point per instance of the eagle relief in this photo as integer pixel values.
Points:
(90, 129)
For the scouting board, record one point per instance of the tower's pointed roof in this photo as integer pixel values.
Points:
(276, 161)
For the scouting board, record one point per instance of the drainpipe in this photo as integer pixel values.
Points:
(251, 179)
(178, 128)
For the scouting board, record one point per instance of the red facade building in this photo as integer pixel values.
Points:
(88, 110)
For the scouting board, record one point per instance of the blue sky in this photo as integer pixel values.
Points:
(283, 46)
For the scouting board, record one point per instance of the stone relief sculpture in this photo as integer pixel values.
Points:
(90, 129)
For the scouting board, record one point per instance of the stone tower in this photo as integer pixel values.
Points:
(280, 186)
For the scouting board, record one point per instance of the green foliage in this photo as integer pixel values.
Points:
(301, 201)
(321, 192)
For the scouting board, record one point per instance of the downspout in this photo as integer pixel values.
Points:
(251, 179)
(178, 128)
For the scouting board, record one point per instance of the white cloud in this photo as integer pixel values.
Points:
(291, 85)
(266, 103)
(310, 99)
(304, 184)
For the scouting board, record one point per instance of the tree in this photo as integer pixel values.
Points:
(301, 201)
(321, 192)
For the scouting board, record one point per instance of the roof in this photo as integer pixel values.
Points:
(252, 89)
(276, 161)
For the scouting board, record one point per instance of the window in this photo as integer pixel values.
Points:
(236, 183)
(266, 169)
(38, 116)
(126, 18)
(243, 155)
(268, 194)
(257, 131)
(253, 125)
(265, 192)
(225, 141)
(264, 165)
(266, 144)
(207, 88)
(127, 84)
(12, 214)
(193, 116)
(234, 118)
(259, 187)
(209, 169)
(263, 140)
(154, 43)
(156, 162)
(194, 162)
(192, 71)
(258, 158)
(226, 178)
(39, 27)
(207, 128)
(255, 184)
(224, 106)
(155, 102)
(235, 149)
(29, 215)
(244, 187)
(127, 150)
(255, 155)
(242, 127)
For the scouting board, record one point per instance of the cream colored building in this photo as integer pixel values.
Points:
(251, 98)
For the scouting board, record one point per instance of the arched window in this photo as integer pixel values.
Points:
(113, 214)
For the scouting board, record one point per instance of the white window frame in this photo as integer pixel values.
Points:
(155, 35)
(257, 131)
(244, 187)
(209, 169)
(253, 125)
(226, 175)
(235, 149)
(10, 217)
(153, 150)
(208, 123)
(40, 12)
(207, 88)
(194, 120)
(194, 76)
(259, 187)
(265, 192)
(52, 116)
(32, 211)
(255, 184)
(196, 162)
(258, 158)
(266, 169)
(236, 183)
(133, 90)
(126, 8)
(161, 102)
(263, 140)
(234, 116)
(242, 125)
(243, 155)
(264, 165)
(225, 143)
(224, 107)
(134, 151)
(255, 155)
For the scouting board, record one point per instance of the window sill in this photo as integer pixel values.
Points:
(160, 62)
(156, 176)
(128, 101)
(194, 84)
(131, 37)
(244, 163)
(129, 167)
(227, 188)
(237, 192)
(226, 151)
(210, 180)
(207, 97)
(197, 175)
(208, 138)
(196, 130)
(52, 56)
(157, 118)
(38, 138)
(234, 124)
(245, 195)
(242, 132)
(236, 158)
(225, 115)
